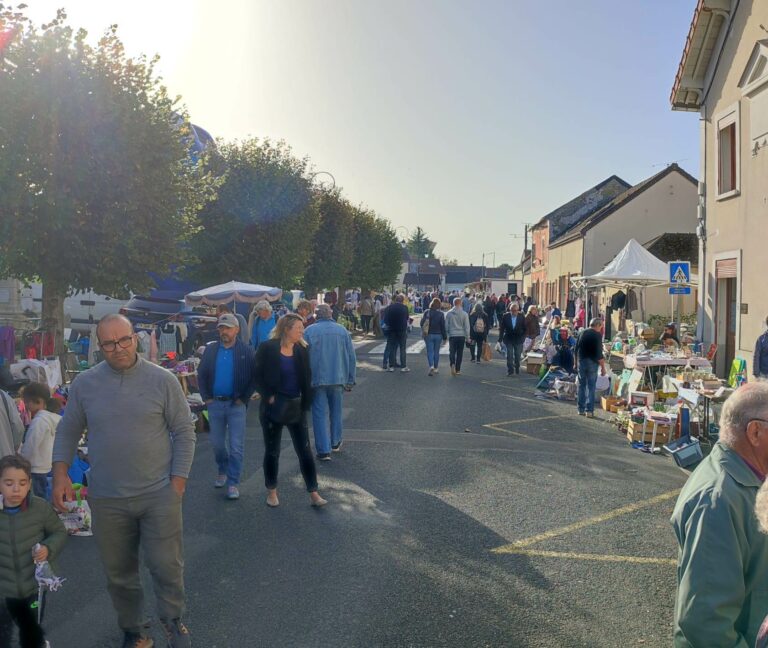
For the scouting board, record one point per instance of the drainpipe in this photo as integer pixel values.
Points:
(701, 230)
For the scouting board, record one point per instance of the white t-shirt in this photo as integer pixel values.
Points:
(38, 441)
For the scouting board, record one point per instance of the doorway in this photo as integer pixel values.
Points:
(727, 314)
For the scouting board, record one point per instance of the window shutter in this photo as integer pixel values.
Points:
(725, 269)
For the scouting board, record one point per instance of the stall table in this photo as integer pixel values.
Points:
(646, 364)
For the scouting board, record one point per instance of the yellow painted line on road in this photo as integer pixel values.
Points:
(530, 420)
(554, 533)
(490, 426)
(582, 556)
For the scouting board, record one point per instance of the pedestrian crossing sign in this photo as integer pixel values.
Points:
(679, 278)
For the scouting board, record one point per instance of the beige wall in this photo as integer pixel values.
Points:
(737, 227)
(669, 206)
(564, 262)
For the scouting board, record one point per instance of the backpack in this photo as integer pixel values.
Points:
(479, 325)
(425, 324)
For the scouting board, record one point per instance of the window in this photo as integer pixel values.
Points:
(726, 173)
(727, 152)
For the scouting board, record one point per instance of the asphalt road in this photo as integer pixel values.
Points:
(407, 553)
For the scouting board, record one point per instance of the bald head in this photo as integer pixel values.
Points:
(112, 320)
(747, 404)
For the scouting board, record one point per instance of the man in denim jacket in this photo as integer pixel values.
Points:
(332, 361)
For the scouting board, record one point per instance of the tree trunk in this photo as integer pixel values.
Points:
(53, 314)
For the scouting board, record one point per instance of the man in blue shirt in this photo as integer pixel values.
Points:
(263, 324)
(227, 379)
(332, 360)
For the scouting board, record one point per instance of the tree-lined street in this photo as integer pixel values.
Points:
(437, 478)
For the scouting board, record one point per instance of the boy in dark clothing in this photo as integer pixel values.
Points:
(25, 521)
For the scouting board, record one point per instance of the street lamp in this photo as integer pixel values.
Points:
(317, 173)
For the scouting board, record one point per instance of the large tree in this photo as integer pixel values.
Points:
(261, 224)
(332, 245)
(377, 252)
(419, 244)
(97, 188)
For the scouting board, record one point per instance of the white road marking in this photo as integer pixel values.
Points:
(413, 349)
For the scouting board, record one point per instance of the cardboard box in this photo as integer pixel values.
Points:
(607, 402)
(635, 432)
(641, 399)
(533, 362)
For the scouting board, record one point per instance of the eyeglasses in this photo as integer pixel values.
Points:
(123, 342)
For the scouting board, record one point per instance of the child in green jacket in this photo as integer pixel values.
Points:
(25, 521)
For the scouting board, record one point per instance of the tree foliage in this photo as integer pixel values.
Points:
(97, 185)
(419, 244)
(332, 246)
(377, 252)
(261, 225)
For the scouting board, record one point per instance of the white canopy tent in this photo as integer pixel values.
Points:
(632, 267)
(234, 291)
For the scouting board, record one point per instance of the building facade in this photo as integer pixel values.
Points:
(723, 75)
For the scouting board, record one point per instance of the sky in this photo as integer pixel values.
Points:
(468, 118)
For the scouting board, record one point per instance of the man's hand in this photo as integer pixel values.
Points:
(179, 484)
(41, 554)
(271, 400)
(62, 490)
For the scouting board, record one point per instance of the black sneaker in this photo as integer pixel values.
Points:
(324, 456)
(136, 640)
(176, 633)
(337, 448)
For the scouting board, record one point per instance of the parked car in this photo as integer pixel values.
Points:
(149, 312)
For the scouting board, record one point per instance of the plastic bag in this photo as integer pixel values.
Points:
(77, 519)
(501, 349)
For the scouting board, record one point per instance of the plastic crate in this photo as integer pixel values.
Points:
(685, 451)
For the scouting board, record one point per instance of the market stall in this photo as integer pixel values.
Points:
(633, 270)
(233, 292)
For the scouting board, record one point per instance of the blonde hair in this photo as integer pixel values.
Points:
(285, 324)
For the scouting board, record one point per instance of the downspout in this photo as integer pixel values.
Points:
(701, 230)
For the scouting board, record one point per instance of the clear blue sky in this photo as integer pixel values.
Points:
(468, 118)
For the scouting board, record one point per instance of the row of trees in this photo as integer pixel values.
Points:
(100, 190)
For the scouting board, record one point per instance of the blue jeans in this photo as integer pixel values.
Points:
(40, 486)
(587, 380)
(226, 416)
(433, 349)
(514, 353)
(397, 341)
(327, 404)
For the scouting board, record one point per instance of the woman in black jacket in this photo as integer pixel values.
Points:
(285, 385)
(433, 331)
(479, 325)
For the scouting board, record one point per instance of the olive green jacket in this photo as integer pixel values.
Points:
(722, 569)
(19, 533)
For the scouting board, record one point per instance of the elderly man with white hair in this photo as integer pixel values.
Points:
(263, 324)
(722, 571)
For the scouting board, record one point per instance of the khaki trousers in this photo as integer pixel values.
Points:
(154, 523)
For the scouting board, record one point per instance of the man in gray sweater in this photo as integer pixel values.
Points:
(457, 326)
(141, 442)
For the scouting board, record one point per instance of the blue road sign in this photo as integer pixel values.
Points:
(679, 277)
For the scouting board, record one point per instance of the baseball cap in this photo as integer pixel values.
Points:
(228, 320)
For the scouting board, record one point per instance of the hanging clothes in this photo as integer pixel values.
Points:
(143, 347)
(618, 300)
(168, 340)
(8, 344)
(632, 302)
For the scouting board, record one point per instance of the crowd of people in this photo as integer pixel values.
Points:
(141, 440)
